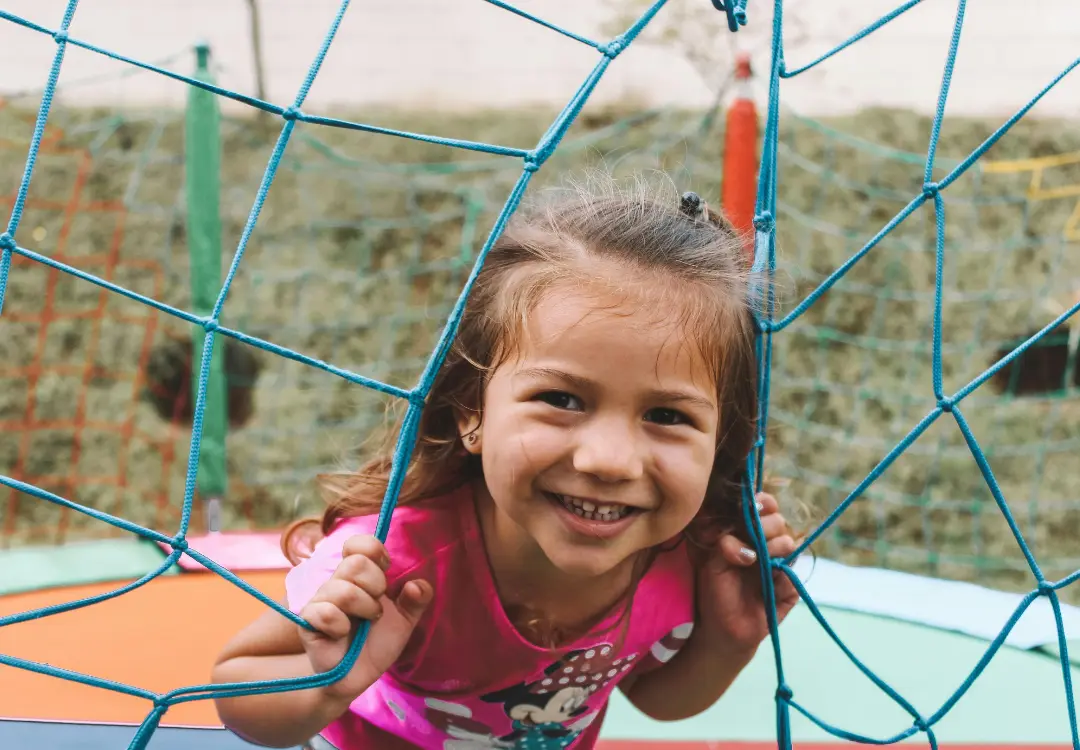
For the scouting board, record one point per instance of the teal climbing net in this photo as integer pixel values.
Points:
(260, 330)
(942, 405)
(532, 160)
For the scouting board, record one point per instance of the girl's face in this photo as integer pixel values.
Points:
(598, 437)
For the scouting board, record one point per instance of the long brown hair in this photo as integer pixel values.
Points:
(697, 263)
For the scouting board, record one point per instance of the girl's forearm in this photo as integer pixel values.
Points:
(284, 719)
(691, 682)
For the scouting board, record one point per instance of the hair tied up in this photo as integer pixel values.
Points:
(693, 206)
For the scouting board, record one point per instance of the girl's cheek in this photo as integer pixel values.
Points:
(683, 462)
(541, 446)
(685, 470)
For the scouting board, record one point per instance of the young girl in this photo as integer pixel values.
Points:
(571, 519)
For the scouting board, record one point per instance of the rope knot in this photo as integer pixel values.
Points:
(179, 543)
(60, 36)
(532, 163)
(7, 242)
(210, 324)
(930, 189)
(1045, 588)
(763, 222)
(946, 405)
(291, 113)
(734, 16)
(784, 692)
(613, 48)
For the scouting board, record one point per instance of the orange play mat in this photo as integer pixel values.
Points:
(132, 639)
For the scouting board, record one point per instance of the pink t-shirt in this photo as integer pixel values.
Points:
(467, 679)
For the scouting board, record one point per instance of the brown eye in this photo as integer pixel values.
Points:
(560, 400)
(666, 417)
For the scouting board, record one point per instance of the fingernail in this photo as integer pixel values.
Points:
(386, 563)
(759, 505)
(748, 553)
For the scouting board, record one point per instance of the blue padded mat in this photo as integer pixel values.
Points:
(49, 735)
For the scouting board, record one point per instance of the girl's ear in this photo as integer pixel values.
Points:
(469, 427)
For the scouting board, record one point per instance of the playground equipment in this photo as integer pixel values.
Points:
(876, 311)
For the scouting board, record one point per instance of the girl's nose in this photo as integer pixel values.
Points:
(610, 451)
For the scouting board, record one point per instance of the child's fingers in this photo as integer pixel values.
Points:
(781, 546)
(766, 503)
(328, 619)
(369, 547)
(350, 599)
(734, 552)
(414, 598)
(773, 525)
(363, 572)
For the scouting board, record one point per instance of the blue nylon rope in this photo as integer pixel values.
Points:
(764, 262)
(7, 239)
(865, 32)
(764, 267)
(546, 24)
(269, 346)
(532, 160)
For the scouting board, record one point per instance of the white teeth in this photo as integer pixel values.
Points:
(591, 511)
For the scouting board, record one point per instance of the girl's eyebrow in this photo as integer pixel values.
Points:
(584, 383)
(540, 373)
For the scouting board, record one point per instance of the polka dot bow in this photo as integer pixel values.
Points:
(590, 669)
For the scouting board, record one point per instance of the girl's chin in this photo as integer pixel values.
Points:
(573, 560)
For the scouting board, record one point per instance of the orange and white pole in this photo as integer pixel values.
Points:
(739, 186)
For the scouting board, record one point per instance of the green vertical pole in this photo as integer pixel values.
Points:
(202, 166)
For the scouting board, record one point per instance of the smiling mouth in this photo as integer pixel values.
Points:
(592, 511)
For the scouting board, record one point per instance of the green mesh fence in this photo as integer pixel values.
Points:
(846, 383)
(357, 259)
(365, 246)
(850, 376)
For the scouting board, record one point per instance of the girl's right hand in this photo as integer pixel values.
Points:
(357, 591)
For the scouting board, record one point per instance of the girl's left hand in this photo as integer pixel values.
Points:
(730, 602)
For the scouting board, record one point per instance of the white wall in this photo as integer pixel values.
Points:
(468, 53)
